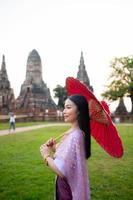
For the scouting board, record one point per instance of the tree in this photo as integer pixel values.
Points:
(120, 80)
(60, 93)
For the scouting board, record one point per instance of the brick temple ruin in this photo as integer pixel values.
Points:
(35, 98)
(34, 101)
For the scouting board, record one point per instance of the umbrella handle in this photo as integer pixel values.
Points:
(57, 138)
(60, 136)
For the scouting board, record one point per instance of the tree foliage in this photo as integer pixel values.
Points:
(120, 80)
(60, 93)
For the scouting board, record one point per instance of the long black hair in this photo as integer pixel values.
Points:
(83, 120)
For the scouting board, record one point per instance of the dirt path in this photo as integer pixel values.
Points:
(28, 128)
(23, 129)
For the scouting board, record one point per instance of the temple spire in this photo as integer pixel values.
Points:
(82, 73)
(3, 72)
(82, 60)
(33, 68)
(3, 65)
(7, 101)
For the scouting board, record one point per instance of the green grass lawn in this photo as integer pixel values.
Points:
(23, 176)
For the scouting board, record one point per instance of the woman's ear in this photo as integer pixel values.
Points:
(77, 113)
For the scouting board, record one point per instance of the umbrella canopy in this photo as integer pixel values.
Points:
(102, 128)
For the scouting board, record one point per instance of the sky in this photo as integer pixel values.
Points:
(59, 30)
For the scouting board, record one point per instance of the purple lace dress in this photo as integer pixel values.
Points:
(75, 185)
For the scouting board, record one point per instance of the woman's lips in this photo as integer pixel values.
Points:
(65, 116)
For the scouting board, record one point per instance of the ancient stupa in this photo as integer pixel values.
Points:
(82, 73)
(34, 94)
(7, 100)
(121, 108)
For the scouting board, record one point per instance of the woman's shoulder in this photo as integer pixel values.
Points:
(77, 134)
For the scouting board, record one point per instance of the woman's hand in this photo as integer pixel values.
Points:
(45, 150)
(51, 142)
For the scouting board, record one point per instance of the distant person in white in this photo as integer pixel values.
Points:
(11, 122)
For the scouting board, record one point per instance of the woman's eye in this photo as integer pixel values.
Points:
(68, 107)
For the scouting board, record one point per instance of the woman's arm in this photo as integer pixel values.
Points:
(54, 168)
(45, 152)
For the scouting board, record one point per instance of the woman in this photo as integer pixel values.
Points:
(69, 161)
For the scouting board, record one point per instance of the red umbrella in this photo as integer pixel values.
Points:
(102, 127)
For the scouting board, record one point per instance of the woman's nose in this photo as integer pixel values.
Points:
(64, 111)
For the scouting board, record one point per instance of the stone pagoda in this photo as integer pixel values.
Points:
(7, 100)
(121, 108)
(82, 73)
(34, 95)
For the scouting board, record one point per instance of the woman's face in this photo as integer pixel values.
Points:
(70, 111)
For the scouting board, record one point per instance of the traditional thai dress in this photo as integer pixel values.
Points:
(70, 160)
